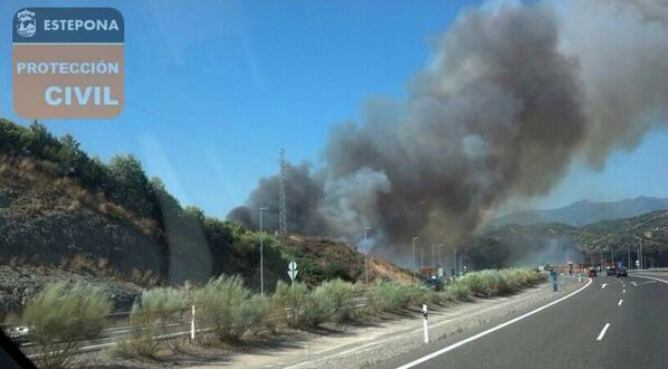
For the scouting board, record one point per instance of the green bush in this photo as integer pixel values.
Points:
(292, 300)
(227, 307)
(387, 296)
(487, 283)
(149, 318)
(459, 291)
(61, 316)
(329, 302)
(341, 293)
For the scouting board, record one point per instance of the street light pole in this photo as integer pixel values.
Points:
(414, 239)
(261, 253)
(454, 262)
(366, 255)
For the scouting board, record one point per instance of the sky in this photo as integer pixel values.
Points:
(215, 88)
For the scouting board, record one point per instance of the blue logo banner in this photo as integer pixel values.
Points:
(68, 25)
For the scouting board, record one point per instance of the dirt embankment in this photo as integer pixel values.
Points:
(46, 220)
(20, 283)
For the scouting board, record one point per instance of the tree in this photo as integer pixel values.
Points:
(129, 186)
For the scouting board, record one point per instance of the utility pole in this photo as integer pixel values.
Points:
(421, 258)
(454, 262)
(366, 255)
(414, 239)
(282, 210)
(261, 253)
(628, 257)
(612, 258)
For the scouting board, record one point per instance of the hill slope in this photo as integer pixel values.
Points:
(585, 212)
(63, 211)
(515, 244)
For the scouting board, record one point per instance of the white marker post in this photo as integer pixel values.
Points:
(192, 323)
(425, 326)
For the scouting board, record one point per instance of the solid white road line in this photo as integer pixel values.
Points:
(648, 277)
(620, 302)
(605, 329)
(493, 329)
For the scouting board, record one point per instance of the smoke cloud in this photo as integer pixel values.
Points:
(511, 97)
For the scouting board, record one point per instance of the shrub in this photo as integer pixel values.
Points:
(292, 299)
(459, 291)
(61, 316)
(386, 296)
(488, 283)
(328, 302)
(476, 284)
(228, 308)
(149, 317)
(340, 293)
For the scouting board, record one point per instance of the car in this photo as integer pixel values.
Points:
(19, 334)
(592, 272)
(622, 272)
(609, 271)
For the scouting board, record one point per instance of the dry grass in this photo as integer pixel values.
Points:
(62, 192)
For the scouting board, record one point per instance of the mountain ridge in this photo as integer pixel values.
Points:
(584, 212)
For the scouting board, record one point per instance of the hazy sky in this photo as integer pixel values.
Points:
(215, 88)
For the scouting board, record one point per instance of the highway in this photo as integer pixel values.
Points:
(612, 323)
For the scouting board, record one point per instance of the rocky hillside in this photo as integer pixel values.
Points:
(63, 214)
(49, 220)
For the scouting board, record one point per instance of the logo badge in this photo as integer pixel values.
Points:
(67, 63)
(26, 23)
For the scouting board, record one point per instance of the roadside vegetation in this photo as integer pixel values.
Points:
(65, 314)
(61, 317)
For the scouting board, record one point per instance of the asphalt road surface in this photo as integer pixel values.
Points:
(612, 323)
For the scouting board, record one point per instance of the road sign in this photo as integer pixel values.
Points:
(292, 271)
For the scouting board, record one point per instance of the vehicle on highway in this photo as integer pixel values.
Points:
(622, 272)
(592, 272)
(19, 334)
(609, 271)
(434, 284)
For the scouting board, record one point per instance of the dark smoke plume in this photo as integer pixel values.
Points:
(511, 98)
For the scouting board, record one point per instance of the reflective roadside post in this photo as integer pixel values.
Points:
(425, 326)
(188, 287)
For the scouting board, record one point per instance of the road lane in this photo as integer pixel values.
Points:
(632, 334)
